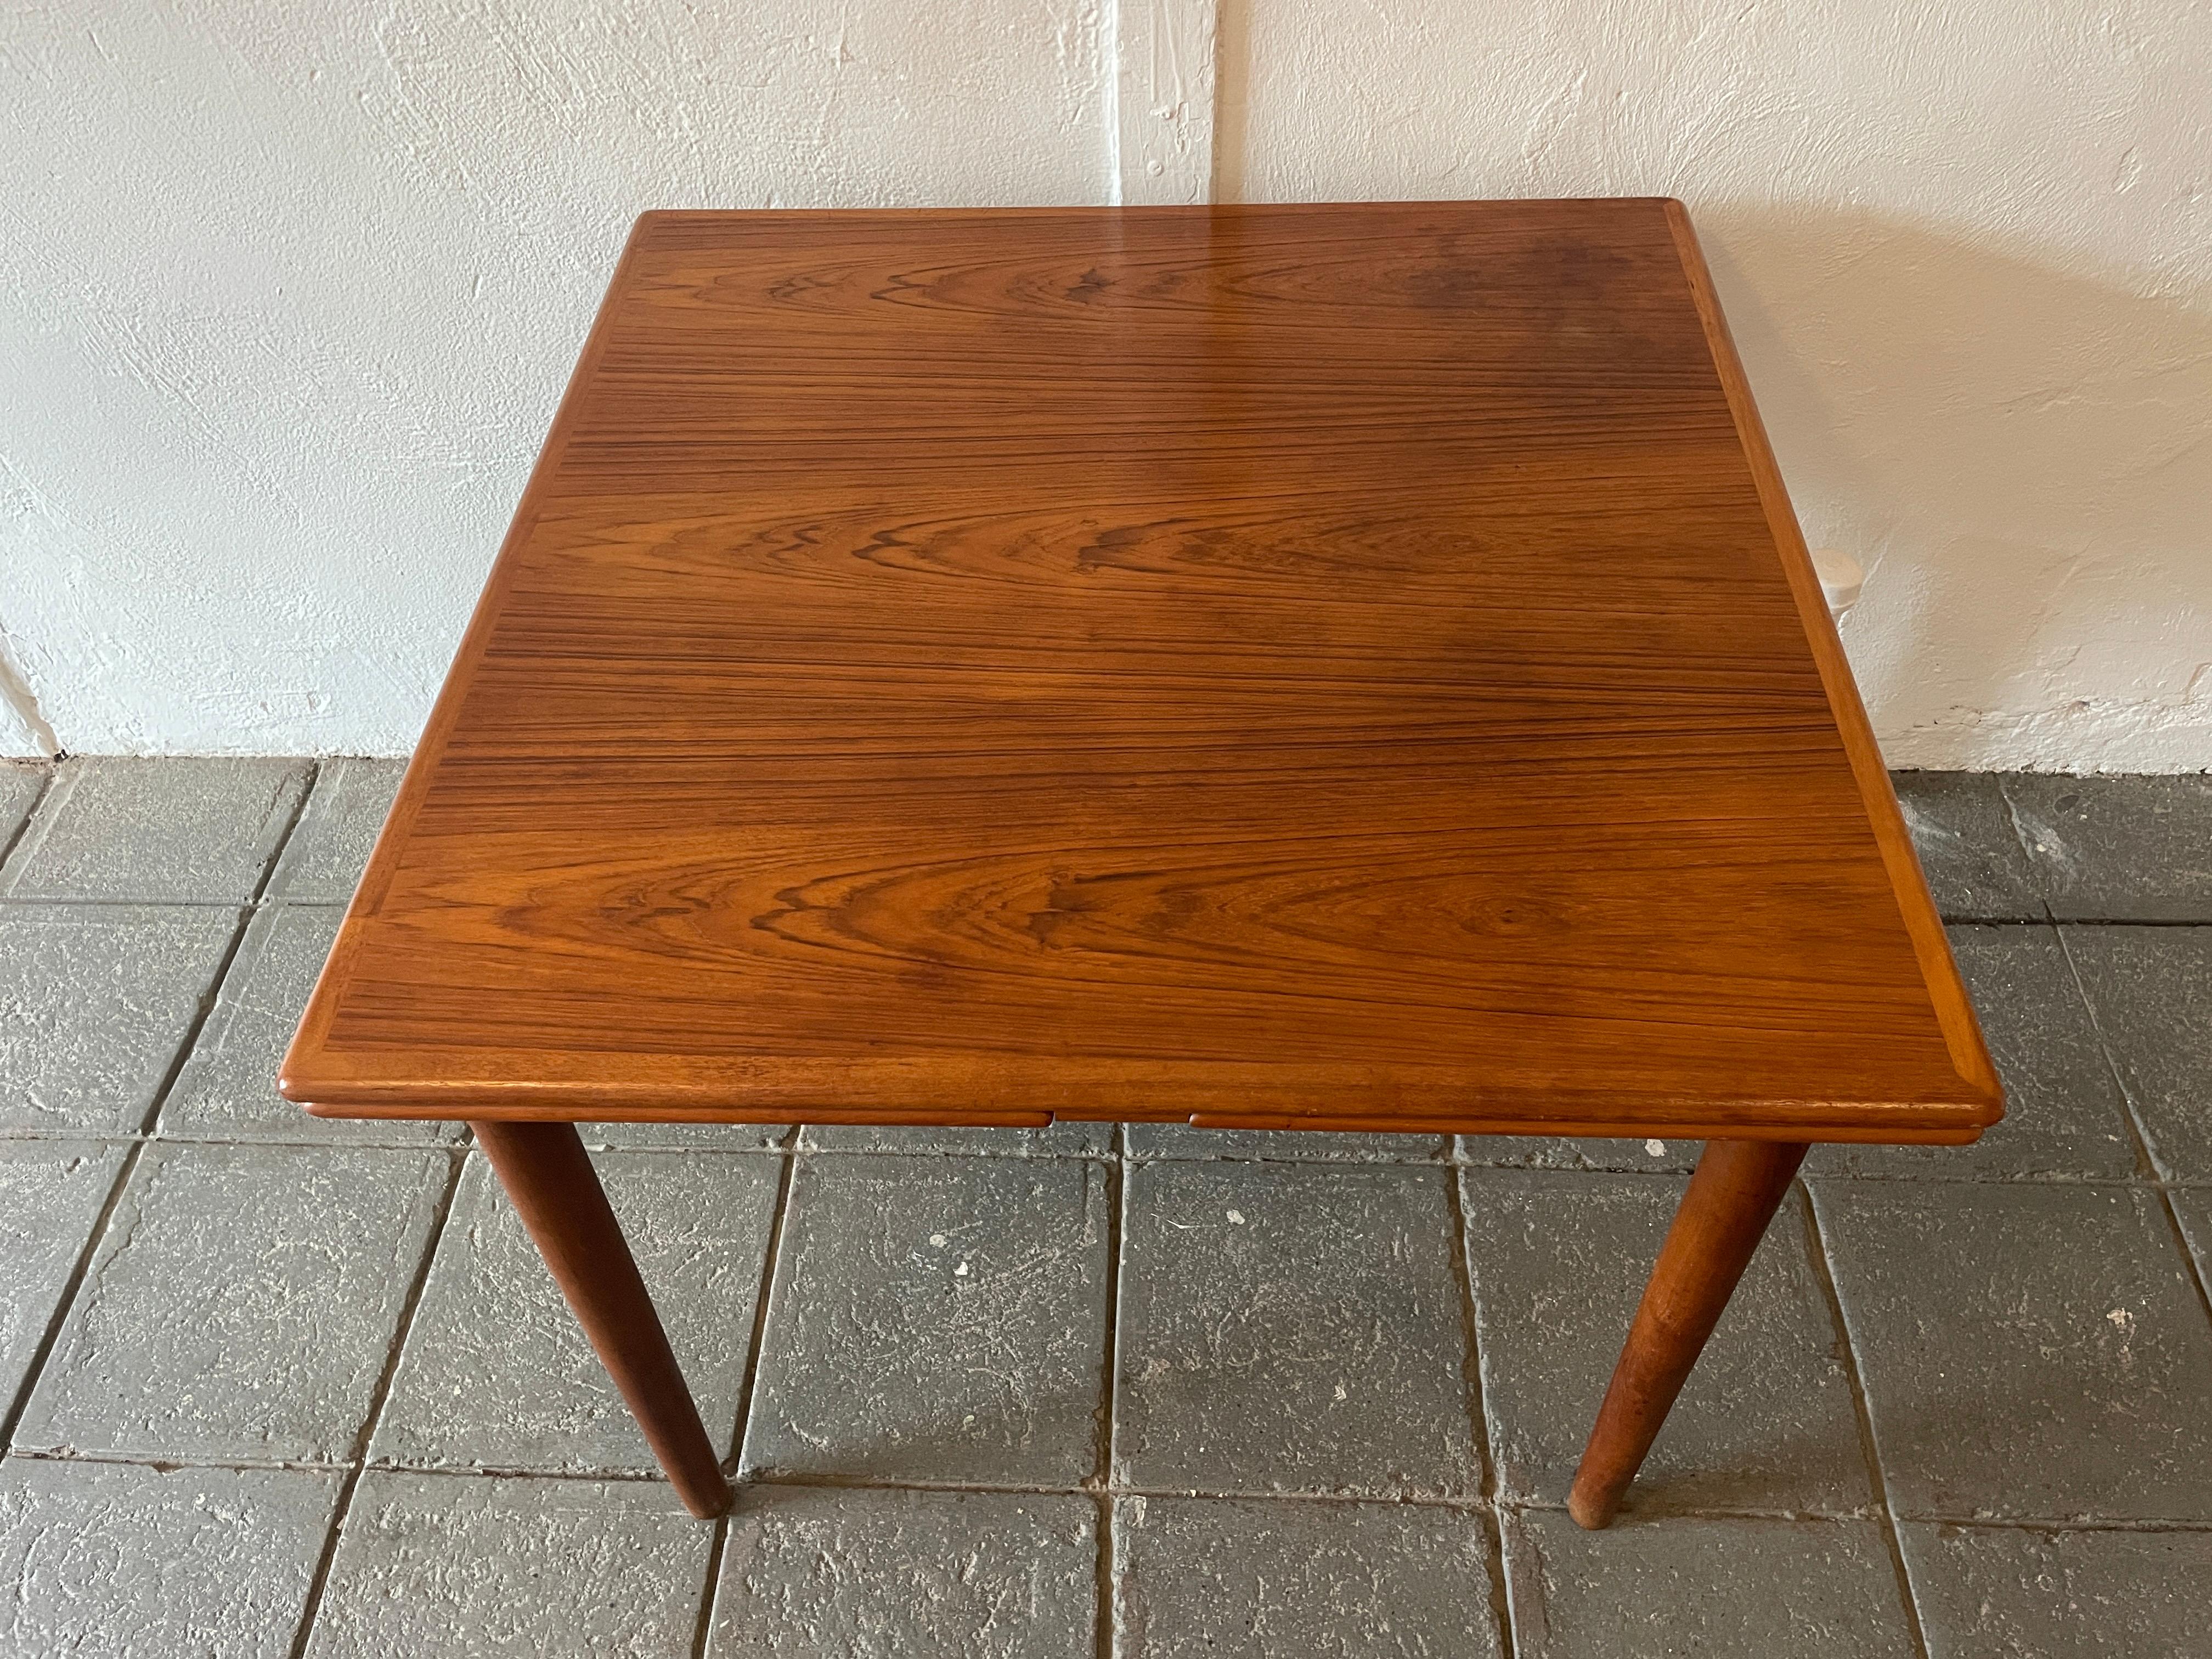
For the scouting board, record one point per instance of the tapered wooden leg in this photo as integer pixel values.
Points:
(1722, 1216)
(549, 1179)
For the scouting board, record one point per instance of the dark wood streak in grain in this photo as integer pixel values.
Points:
(1306, 666)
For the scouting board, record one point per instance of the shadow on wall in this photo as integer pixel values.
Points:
(2023, 460)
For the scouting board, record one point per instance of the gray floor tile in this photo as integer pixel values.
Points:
(2033, 1345)
(453, 1564)
(1579, 1153)
(1719, 1589)
(95, 1003)
(1260, 1577)
(1291, 1328)
(157, 831)
(1984, 1590)
(1558, 1262)
(917, 1574)
(51, 1194)
(137, 1562)
(228, 1088)
(497, 1374)
(939, 1320)
(2028, 1352)
(1055, 1140)
(2150, 989)
(1295, 1145)
(19, 783)
(323, 859)
(241, 1305)
(2064, 1117)
(2118, 848)
(1969, 851)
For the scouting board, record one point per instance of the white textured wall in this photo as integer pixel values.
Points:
(286, 293)
(1966, 250)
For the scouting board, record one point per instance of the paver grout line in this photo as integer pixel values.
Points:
(201, 1015)
(456, 1158)
(2145, 1164)
(36, 901)
(936, 1152)
(1811, 1517)
(165, 1464)
(1501, 1602)
(508, 1471)
(596, 1147)
(2019, 838)
(2142, 1136)
(2146, 1183)
(1658, 1510)
(2188, 1257)
(312, 1608)
(757, 1343)
(1295, 1163)
(67, 1300)
(710, 1592)
(2077, 922)
(328, 1466)
(1455, 1505)
(1870, 1449)
(162, 1138)
(213, 993)
(1117, 1199)
(2191, 1527)
(456, 1162)
(2069, 1524)
(1117, 1203)
(39, 799)
(1105, 1619)
(166, 1137)
(862, 1483)
(13, 1134)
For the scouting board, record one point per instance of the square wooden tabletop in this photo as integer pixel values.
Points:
(1348, 665)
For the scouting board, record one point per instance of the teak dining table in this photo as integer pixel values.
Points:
(1345, 667)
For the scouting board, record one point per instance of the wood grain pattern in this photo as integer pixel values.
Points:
(1340, 666)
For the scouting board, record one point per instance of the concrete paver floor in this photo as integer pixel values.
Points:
(283, 1387)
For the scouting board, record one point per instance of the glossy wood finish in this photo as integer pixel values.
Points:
(1329, 666)
(1721, 1218)
(551, 1181)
